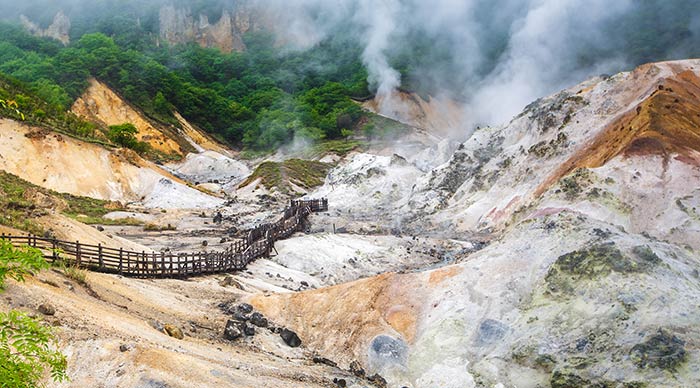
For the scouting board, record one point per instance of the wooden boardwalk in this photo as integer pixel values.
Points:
(258, 242)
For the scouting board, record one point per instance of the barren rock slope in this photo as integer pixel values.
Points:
(592, 276)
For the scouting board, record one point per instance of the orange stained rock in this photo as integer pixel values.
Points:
(666, 123)
(353, 312)
(439, 275)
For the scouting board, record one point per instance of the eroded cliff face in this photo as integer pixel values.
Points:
(101, 104)
(180, 25)
(59, 28)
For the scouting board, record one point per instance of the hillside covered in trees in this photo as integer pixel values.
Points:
(269, 94)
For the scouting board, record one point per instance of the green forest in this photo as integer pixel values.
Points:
(258, 98)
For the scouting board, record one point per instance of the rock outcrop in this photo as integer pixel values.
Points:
(180, 25)
(59, 28)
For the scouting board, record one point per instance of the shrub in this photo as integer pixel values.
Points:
(27, 347)
(125, 136)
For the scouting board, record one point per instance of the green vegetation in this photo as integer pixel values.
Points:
(575, 183)
(72, 271)
(18, 101)
(306, 174)
(23, 202)
(27, 347)
(124, 135)
(158, 228)
(259, 99)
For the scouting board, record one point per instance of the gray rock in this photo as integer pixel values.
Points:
(387, 348)
(125, 347)
(290, 338)
(258, 320)
(234, 330)
(491, 331)
(248, 329)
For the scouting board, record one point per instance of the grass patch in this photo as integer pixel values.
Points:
(32, 109)
(23, 202)
(306, 174)
(71, 271)
(128, 221)
(158, 228)
(383, 128)
(596, 262)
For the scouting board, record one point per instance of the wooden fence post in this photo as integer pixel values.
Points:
(99, 256)
(77, 254)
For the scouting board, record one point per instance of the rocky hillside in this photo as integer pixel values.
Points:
(592, 269)
(59, 28)
(180, 25)
(102, 105)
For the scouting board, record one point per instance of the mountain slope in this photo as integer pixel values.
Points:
(591, 278)
(69, 165)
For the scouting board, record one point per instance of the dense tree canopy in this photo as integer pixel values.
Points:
(260, 98)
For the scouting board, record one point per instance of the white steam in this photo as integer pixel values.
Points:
(541, 39)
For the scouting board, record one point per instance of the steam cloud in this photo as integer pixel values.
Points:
(503, 54)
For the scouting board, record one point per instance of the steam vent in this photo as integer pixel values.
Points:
(348, 193)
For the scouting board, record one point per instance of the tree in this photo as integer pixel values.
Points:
(125, 136)
(161, 106)
(27, 347)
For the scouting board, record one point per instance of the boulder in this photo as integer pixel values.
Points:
(290, 338)
(258, 320)
(248, 329)
(245, 308)
(234, 330)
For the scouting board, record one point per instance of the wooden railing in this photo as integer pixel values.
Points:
(258, 242)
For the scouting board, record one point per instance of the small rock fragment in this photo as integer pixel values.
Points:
(258, 320)
(325, 361)
(340, 382)
(47, 309)
(378, 380)
(230, 281)
(125, 347)
(357, 369)
(173, 331)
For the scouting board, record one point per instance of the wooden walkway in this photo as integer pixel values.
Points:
(258, 242)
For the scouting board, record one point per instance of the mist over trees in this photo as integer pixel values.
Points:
(478, 52)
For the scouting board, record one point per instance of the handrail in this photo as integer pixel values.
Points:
(258, 242)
